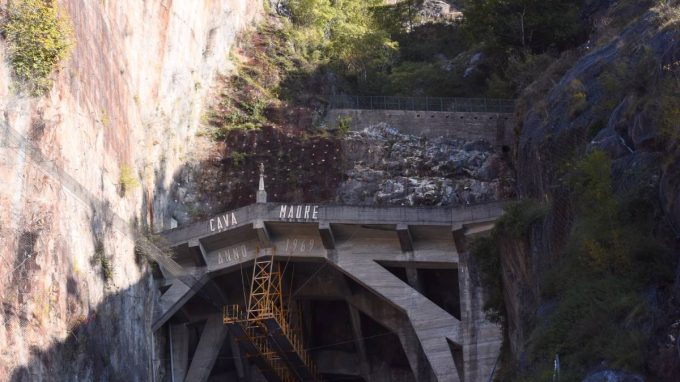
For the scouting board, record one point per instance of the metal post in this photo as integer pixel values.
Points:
(371, 102)
(357, 98)
(441, 104)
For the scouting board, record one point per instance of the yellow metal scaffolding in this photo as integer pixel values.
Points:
(269, 333)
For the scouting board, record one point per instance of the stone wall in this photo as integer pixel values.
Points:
(496, 128)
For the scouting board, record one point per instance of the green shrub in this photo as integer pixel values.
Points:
(343, 125)
(238, 157)
(99, 258)
(519, 217)
(128, 180)
(38, 36)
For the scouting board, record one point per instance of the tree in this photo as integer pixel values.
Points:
(530, 25)
(344, 33)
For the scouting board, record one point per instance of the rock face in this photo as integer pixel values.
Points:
(75, 302)
(629, 111)
(384, 167)
(438, 10)
(376, 166)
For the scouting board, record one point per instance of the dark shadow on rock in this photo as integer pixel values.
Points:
(110, 343)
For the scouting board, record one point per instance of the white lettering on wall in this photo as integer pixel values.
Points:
(299, 245)
(232, 254)
(299, 212)
(222, 222)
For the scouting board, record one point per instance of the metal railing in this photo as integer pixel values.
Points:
(463, 105)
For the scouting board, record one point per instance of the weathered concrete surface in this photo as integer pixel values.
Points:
(432, 324)
(438, 346)
(271, 212)
(212, 337)
(495, 128)
(179, 351)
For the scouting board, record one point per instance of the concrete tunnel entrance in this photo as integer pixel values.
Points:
(378, 294)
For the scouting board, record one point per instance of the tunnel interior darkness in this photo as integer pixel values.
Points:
(438, 285)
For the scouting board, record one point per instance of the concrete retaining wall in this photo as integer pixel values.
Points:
(493, 127)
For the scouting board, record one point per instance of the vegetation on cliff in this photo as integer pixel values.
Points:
(39, 36)
(595, 278)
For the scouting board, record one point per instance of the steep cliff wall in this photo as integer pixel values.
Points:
(616, 95)
(75, 300)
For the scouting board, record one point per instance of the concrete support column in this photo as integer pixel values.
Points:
(481, 338)
(179, 351)
(359, 341)
(208, 349)
(413, 280)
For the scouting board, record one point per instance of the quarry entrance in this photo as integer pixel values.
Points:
(283, 292)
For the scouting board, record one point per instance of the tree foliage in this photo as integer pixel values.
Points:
(343, 33)
(39, 36)
(531, 25)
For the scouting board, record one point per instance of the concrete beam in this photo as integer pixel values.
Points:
(327, 237)
(173, 299)
(179, 351)
(262, 233)
(405, 238)
(383, 312)
(395, 321)
(481, 228)
(432, 325)
(360, 215)
(208, 349)
(199, 252)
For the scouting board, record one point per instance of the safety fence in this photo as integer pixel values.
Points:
(463, 105)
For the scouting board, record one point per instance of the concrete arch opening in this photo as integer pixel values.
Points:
(383, 294)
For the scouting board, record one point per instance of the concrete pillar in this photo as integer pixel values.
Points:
(179, 351)
(481, 339)
(413, 280)
(209, 345)
(262, 233)
(355, 317)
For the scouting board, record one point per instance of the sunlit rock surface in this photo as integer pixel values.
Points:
(76, 303)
